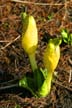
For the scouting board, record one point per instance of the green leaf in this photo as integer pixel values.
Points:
(44, 72)
(64, 34)
(23, 16)
(28, 83)
(17, 106)
(38, 79)
(50, 16)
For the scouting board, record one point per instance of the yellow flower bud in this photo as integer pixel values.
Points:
(29, 34)
(51, 56)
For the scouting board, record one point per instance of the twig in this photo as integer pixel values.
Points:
(60, 84)
(70, 61)
(66, 12)
(10, 42)
(44, 4)
(9, 86)
(70, 75)
(10, 82)
(4, 41)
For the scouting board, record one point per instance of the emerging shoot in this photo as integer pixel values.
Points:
(66, 36)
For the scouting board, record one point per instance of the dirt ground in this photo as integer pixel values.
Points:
(14, 62)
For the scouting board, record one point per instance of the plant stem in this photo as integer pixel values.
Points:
(34, 69)
(45, 89)
(33, 61)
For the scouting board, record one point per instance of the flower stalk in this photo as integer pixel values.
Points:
(46, 86)
(33, 62)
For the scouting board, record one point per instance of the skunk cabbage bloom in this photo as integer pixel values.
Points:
(30, 38)
(29, 34)
(42, 79)
(50, 60)
(52, 55)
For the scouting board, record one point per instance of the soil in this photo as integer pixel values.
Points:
(14, 62)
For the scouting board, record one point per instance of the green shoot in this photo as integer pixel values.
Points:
(33, 62)
(17, 106)
(50, 16)
(66, 36)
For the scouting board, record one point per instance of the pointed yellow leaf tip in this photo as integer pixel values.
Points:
(29, 34)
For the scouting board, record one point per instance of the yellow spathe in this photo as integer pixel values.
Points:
(51, 56)
(29, 35)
